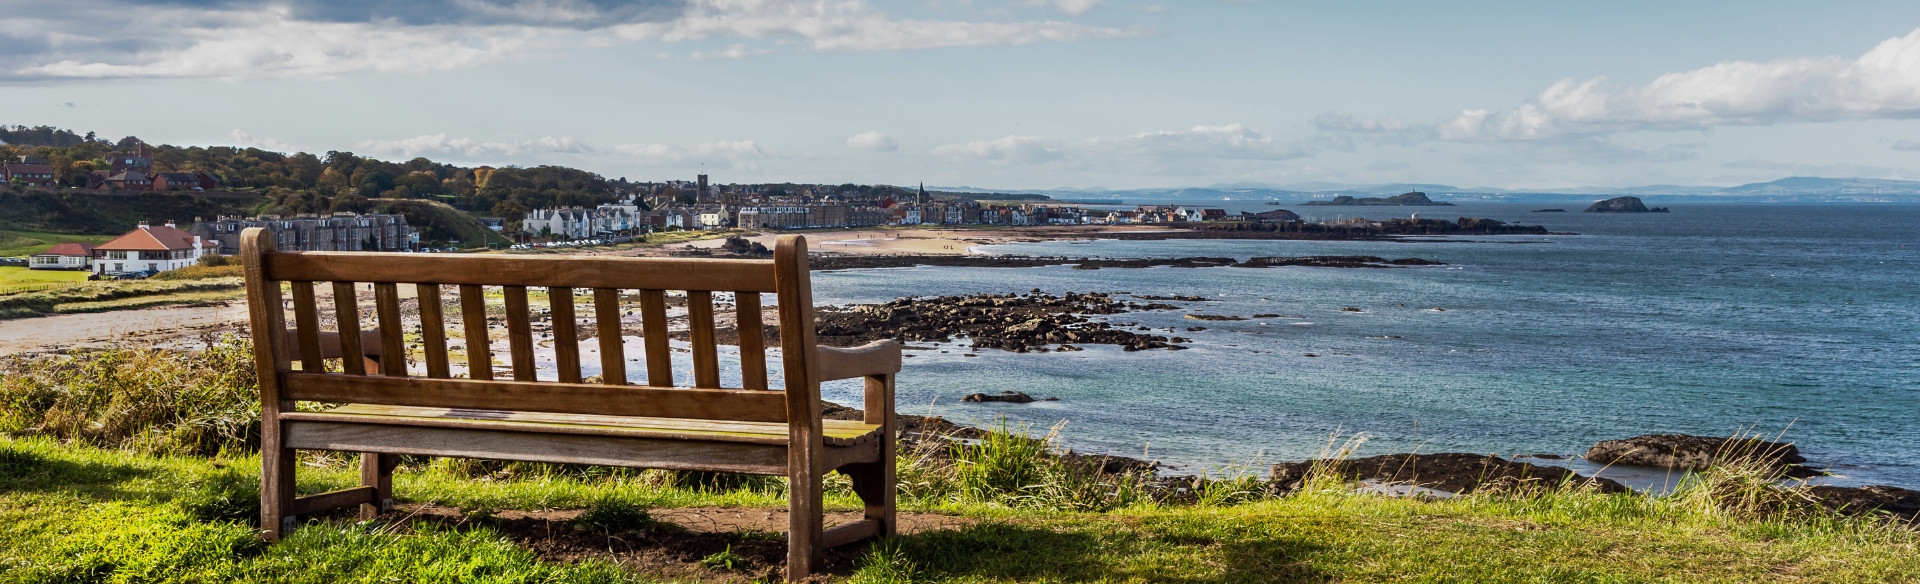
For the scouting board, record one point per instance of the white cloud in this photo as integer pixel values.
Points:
(874, 141)
(1008, 150)
(733, 51)
(1188, 151)
(1883, 83)
(246, 39)
(733, 154)
(851, 25)
(1906, 145)
(245, 140)
(1072, 7)
(439, 145)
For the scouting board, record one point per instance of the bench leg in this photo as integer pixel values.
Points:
(805, 522)
(276, 492)
(376, 470)
(874, 483)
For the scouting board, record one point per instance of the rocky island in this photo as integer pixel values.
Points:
(1412, 199)
(1623, 205)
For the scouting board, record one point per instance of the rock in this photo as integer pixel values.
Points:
(1016, 397)
(1623, 205)
(1683, 451)
(1065, 348)
(1266, 315)
(1195, 329)
(1548, 211)
(1903, 504)
(1350, 309)
(1458, 473)
(1214, 317)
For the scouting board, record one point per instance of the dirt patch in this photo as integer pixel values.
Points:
(673, 549)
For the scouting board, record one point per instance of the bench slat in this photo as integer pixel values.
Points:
(433, 331)
(393, 343)
(706, 356)
(473, 317)
(737, 457)
(837, 432)
(520, 333)
(306, 316)
(346, 310)
(528, 396)
(613, 350)
(497, 270)
(753, 342)
(566, 341)
(653, 330)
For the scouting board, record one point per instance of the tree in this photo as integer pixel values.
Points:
(510, 209)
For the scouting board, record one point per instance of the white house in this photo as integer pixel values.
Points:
(66, 256)
(155, 249)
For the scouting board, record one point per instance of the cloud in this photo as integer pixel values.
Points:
(1190, 151)
(733, 51)
(1009, 150)
(851, 25)
(734, 154)
(1071, 7)
(439, 145)
(247, 39)
(874, 141)
(1883, 83)
(245, 140)
(1906, 145)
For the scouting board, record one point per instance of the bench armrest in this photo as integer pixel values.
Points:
(875, 358)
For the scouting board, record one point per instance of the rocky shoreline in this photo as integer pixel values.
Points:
(1019, 323)
(859, 262)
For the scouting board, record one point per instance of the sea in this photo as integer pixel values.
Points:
(1795, 321)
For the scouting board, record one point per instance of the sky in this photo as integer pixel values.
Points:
(1007, 94)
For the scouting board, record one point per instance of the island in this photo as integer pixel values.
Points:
(1412, 199)
(1623, 205)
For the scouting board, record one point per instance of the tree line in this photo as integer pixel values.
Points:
(336, 181)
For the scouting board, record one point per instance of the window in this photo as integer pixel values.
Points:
(116, 255)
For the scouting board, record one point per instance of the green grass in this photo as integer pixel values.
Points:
(108, 295)
(13, 278)
(76, 513)
(136, 465)
(21, 243)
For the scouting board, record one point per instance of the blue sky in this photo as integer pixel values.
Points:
(1002, 93)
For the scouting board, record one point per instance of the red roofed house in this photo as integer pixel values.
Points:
(66, 256)
(155, 249)
(29, 171)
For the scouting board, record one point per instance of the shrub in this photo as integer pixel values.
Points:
(159, 401)
(203, 271)
(613, 515)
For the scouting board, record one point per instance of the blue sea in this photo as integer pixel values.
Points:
(1801, 321)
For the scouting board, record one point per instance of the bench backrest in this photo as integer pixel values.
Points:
(280, 342)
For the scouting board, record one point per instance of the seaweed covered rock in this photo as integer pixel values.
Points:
(1453, 472)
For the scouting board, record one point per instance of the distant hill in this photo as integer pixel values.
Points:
(1791, 189)
(111, 214)
(1808, 185)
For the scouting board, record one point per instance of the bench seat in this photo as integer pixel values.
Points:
(834, 432)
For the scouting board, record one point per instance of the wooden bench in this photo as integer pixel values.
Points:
(396, 407)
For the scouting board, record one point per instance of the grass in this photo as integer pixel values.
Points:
(10, 275)
(135, 465)
(107, 295)
(21, 243)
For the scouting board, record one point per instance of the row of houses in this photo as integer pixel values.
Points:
(160, 248)
(27, 170)
(336, 232)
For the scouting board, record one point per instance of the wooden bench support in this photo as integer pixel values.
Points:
(311, 504)
(845, 534)
(388, 412)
